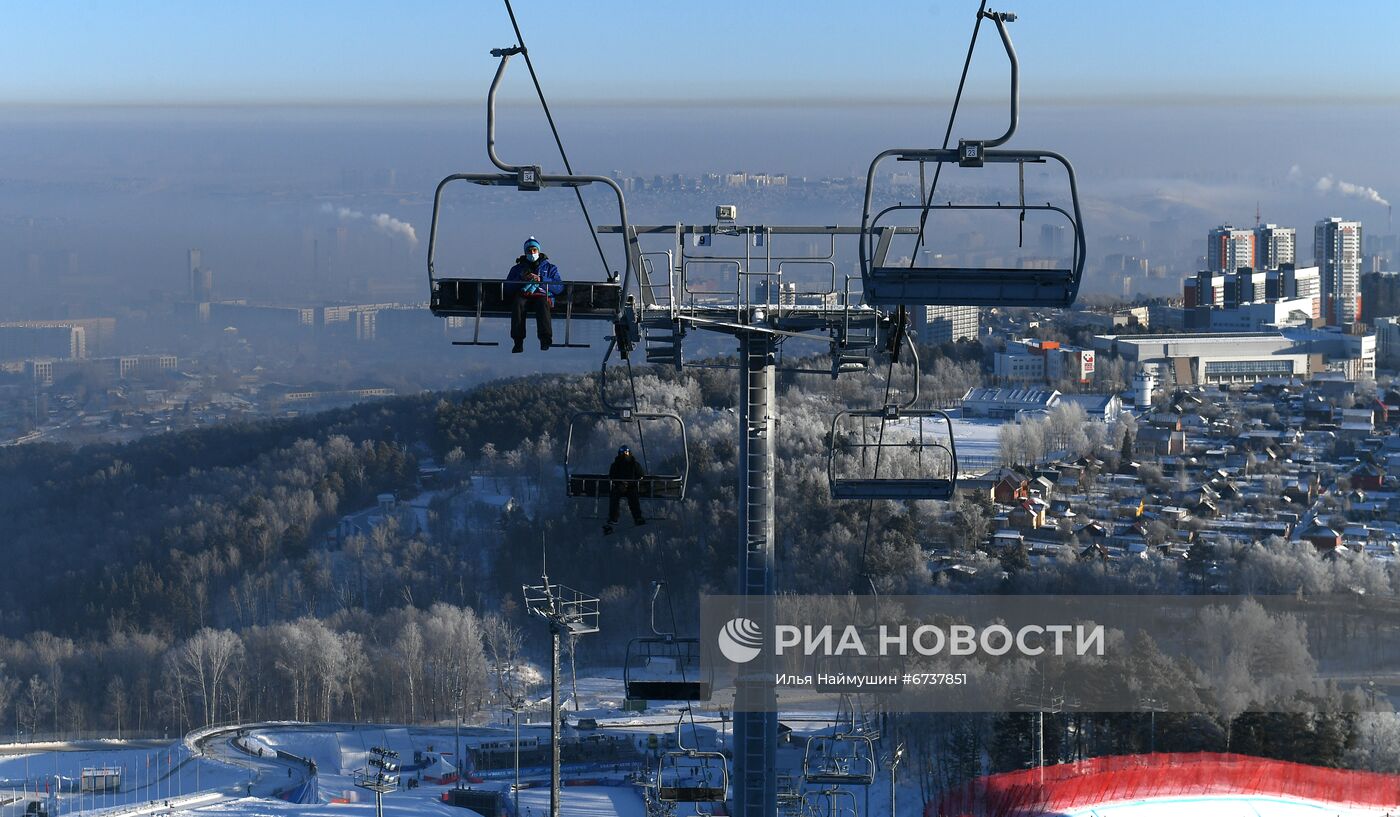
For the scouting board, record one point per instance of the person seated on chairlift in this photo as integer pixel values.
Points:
(535, 283)
(626, 474)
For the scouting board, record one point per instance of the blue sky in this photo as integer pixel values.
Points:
(416, 51)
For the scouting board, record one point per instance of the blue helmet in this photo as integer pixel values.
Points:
(624, 450)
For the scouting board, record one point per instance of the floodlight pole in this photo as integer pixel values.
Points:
(564, 609)
(1040, 742)
(383, 778)
(897, 756)
(1153, 706)
(457, 737)
(517, 705)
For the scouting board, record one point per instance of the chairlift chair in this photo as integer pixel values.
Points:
(664, 666)
(917, 444)
(888, 284)
(583, 482)
(478, 297)
(688, 775)
(830, 802)
(923, 441)
(839, 759)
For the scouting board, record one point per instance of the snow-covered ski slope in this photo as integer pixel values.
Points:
(248, 771)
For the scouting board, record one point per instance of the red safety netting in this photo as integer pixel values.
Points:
(1133, 777)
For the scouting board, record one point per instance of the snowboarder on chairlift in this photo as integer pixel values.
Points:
(534, 283)
(625, 475)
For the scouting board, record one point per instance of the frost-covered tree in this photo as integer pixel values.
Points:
(204, 661)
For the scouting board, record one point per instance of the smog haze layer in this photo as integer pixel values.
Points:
(290, 201)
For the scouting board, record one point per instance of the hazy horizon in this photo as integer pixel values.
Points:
(118, 195)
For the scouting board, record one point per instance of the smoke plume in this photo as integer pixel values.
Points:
(383, 222)
(1330, 184)
(1327, 184)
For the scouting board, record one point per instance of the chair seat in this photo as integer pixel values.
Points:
(668, 690)
(841, 779)
(970, 286)
(649, 487)
(468, 296)
(892, 489)
(690, 794)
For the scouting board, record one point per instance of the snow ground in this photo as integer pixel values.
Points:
(227, 774)
(584, 801)
(978, 439)
(149, 774)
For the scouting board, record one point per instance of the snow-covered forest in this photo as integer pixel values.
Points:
(211, 575)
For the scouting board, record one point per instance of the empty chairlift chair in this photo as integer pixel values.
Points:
(830, 802)
(893, 452)
(891, 284)
(687, 775)
(914, 448)
(841, 760)
(665, 667)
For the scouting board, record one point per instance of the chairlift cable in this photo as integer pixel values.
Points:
(636, 407)
(927, 201)
(947, 134)
(675, 628)
(520, 38)
(879, 451)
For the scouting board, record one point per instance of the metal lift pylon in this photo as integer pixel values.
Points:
(755, 715)
(755, 312)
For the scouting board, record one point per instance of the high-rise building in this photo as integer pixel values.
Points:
(1228, 249)
(20, 340)
(1380, 295)
(1206, 288)
(1227, 290)
(946, 324)
(1274, 246)
(1337, 253)
(1388, 341)
(1304, 282)
(1209, 296)
(1030, 359)
(201, 279)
